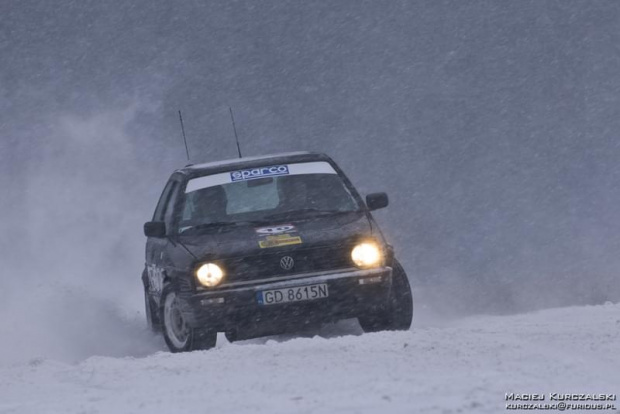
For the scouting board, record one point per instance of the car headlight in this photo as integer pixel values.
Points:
(366, 255)
(210, 274)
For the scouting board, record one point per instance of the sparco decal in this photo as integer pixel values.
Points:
(259, 173)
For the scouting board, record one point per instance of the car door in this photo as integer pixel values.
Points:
(157, 247)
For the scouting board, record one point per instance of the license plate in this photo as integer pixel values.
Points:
(292, 294)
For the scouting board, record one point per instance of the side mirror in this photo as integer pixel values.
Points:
(376, 201)
(155, 229)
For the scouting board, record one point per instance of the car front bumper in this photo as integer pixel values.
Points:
(234, 307)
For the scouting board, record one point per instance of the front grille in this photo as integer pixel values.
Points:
(267, 264)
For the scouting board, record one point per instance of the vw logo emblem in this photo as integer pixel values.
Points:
(287, 263)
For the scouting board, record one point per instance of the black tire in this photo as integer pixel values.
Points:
(178, 335)
(401, 300)
(152, 318)
(398, 314)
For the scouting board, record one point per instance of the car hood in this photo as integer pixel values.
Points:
(288, 235)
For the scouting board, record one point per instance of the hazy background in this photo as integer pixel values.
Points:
(493, 125)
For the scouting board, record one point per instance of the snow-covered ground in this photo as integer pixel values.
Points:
(459, 366)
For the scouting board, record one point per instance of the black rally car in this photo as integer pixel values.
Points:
(261, 246)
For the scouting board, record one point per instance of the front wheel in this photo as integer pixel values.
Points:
(398, 314)
(179, 336)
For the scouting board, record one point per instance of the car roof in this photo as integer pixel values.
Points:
(197, 170)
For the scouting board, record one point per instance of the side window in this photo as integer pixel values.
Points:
(163, 200)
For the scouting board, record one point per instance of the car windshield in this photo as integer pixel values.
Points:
(265, 194)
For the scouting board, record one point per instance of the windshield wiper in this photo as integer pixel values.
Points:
(217, 224)
(310, 212)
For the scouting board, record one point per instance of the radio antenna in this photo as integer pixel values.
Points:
(183, 131)
(232, 118)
